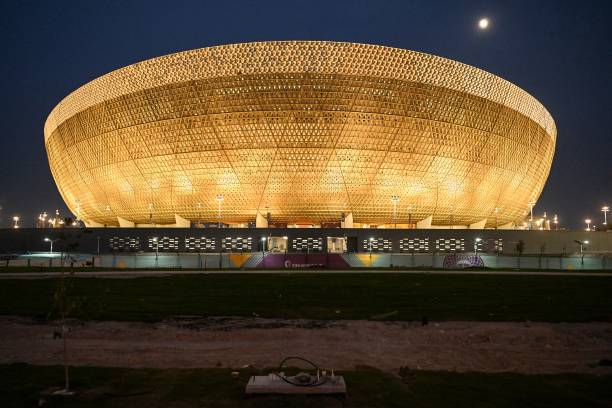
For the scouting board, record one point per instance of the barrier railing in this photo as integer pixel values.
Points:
(260, 260)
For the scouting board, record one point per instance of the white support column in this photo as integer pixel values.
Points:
(508, 226)
(348, 221)
(123, 223)
(425, 223)
(92, 224)
(181, 222)
(479, 224)
(261, 221)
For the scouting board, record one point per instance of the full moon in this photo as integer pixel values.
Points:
(483, 23)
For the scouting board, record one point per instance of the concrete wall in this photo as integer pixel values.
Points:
(19, 241)
(255, 260)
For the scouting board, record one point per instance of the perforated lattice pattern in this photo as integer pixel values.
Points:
(303, 130)
(307, 244)
(237, 244)
(414, 245)
(164, 243)
(450, 244)
(499, 245)
(199, 244)
(377, 245)
(128, 244)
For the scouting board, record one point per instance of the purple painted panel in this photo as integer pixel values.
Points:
(298, 261)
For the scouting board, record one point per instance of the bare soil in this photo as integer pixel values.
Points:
(188, 342)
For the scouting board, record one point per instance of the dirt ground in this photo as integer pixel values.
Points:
(235, 342)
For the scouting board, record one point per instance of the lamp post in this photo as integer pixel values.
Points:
(219, 199)
(370, 244)
(51, 241)
(582, 244)
(16, 220)
(476, 241)
(286, 239)
(605, 210)
(556, 222)
(395, 199)
(263, 251)
(588, 223)
(156, 242)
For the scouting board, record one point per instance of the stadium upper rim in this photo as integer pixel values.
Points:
(120, 81)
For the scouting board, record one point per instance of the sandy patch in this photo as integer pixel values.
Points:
(192, 342)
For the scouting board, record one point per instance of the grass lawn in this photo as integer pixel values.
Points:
(324, 296)
(21, 385)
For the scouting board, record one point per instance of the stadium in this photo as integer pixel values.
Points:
(300, 133)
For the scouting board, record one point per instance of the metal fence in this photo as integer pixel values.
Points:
(301, 260)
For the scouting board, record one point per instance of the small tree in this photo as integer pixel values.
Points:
(64, 303)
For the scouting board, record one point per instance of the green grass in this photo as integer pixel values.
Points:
(321, 296)
(22, 385)
(77, 269)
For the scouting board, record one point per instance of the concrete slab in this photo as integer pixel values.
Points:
(273, 384)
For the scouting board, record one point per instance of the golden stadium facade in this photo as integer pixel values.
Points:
(303, 131)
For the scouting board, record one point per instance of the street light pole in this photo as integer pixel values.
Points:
(16, 220)
(605, 210)
(583, 243)
(588, 223)
(370, 241)
(263, 251)
(51, 241)
(476, 241)
(156, 242)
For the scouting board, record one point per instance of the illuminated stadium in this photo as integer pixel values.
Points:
(300, 133)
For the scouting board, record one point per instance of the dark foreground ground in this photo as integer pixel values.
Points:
(24, 385)
(404, 297)
(454, 300)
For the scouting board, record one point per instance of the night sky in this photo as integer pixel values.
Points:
(559, 51)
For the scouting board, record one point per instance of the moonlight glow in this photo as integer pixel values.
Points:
(483, 23)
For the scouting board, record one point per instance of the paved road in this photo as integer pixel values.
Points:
(149, 273)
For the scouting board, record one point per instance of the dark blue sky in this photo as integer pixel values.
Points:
(559, 51)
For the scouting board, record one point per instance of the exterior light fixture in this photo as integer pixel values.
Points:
(476, 241)
(531, 204)
(16, 220)
(50, 241)
(156, 241)
(588, 223)
(605, 209)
